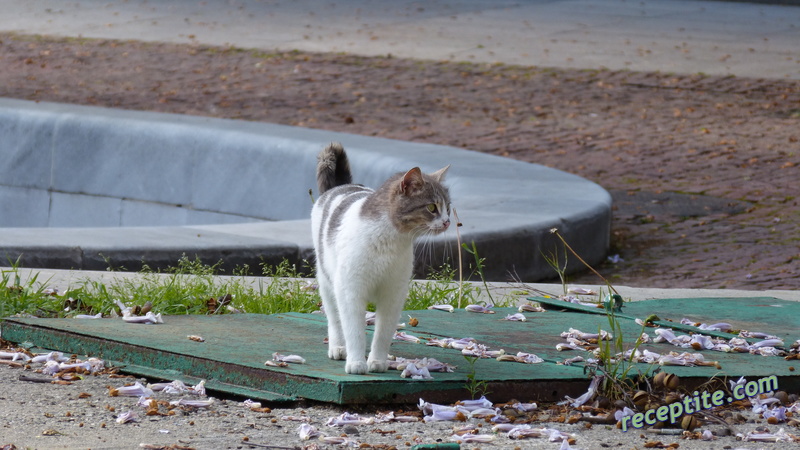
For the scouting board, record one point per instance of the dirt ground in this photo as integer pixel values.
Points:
(85, 412)
(703, 169)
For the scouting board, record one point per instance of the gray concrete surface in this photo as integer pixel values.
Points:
(682, 36)
(94, 166)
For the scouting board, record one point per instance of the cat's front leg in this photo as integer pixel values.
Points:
(387, 315)
(351, 316)
(356, 367)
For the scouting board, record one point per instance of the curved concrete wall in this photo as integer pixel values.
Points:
(121, 187)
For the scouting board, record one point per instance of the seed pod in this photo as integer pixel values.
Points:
(671, 398)
(603, 402)
(658, 380)
(413, 321)
(690, 422)
(671, 381)
(782, 396)
(640, 399)
(652, 405)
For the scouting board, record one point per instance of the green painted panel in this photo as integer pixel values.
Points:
(236, 346)
(764, 314)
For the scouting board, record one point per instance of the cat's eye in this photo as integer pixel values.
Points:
(432, 207)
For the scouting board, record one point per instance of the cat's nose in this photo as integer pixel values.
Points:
(446, 223)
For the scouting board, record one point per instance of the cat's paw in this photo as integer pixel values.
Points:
(337, 353)
(356, 367)
(378, 366)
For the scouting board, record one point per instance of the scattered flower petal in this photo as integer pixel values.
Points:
(294, 359)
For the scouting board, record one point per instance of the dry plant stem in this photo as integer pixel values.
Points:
(555, 231)
(460, 267)
(714, 418)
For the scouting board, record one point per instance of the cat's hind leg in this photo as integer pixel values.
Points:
(336, 346)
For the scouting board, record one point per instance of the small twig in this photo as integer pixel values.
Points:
(253, 444)
(665, 431)
(608, 283)
(719, 420)
(460, 267)
(13, 364)
(35, 379)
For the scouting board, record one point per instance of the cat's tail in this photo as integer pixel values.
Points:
(333, 168)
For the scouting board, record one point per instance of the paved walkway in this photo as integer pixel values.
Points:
(681, 36)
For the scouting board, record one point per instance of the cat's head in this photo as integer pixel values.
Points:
(419, 202)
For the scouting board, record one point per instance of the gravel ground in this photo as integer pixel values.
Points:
(83, 415)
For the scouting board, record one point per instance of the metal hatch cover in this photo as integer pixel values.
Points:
(236, 346)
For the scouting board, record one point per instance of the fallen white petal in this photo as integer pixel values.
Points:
(193, 403)
(518, 317)
(780, 436)
(447, 308)
(308, 432)
(199, 388)
(479, 309)
(472, 438)
(530, 307)
(250, 404)
(134, 390)
(528, 358)
(581, 291)
(338, 440)
(403, 336)
(296, 418)
(173, 387)
(148, 318)
(295, 359)
(15, 356)
(525, 407)
(126, 417)
(590, 393)
(768, 343)
(88, 316)
(349, 419)
(484, 412)
(44, 357)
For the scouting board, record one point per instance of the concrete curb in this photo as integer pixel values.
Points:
(76, 166)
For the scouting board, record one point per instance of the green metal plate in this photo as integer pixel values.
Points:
(236, 346)
(765, 314)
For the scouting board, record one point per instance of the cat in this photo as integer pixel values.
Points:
(364, 243)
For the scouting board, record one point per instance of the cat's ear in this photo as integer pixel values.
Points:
(411, 181)
(439, 174)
